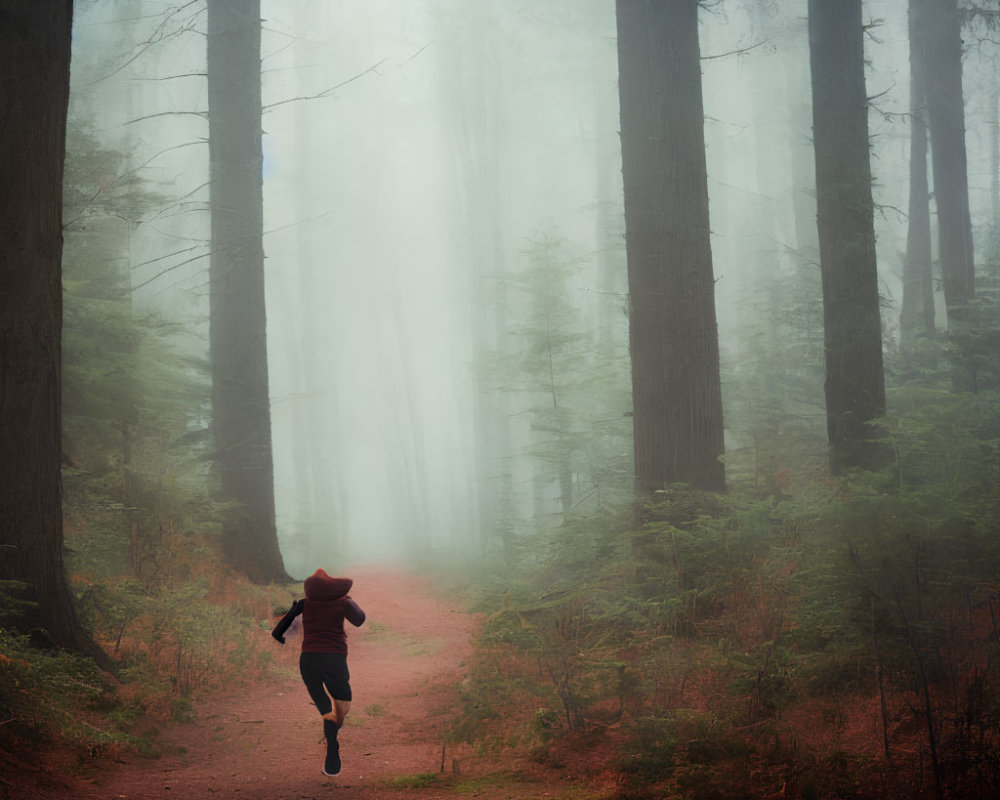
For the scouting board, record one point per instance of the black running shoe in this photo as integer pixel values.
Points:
(331, 766)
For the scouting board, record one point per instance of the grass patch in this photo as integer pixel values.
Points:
(522, 787)
(415, 648)
(379, 630)
(421, 780)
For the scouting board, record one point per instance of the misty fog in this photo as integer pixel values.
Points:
(418, 156)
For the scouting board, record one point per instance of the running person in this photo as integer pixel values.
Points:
(323, 662)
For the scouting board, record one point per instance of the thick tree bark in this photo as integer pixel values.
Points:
(946, 121)
(677, 399)
(34, 92)
(241, 411)
(855, 384)
(917, 314)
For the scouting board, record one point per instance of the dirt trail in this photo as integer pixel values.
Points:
(266, 741)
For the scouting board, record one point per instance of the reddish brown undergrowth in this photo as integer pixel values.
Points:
(262, 738)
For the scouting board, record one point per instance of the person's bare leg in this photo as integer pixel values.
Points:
(340, 708)
(338, 712)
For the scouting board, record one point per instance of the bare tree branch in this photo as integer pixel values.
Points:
(739, 52)
(325, 92)
(300, 222)
(173, 77)
(162, 212)
(157, 37)
(202, 114)
(171, 268)
(168, 255)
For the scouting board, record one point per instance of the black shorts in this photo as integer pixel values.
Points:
(328, 670)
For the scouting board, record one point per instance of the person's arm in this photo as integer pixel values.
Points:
(353, 613)
(279, 629)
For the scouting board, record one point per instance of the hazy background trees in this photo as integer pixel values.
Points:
(416, 173)
(917, 303)
(939, 31)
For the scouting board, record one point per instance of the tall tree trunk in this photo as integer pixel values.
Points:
(475, 89)
(241, 411)
(993, 236)
(917, 315)
(34, 92)
(946, 121)
(802, 162)
(608, 217)
(855, 384)
(677, 399)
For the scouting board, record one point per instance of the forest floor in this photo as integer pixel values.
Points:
(265, 740)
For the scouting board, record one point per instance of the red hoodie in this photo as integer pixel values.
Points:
(324, 609)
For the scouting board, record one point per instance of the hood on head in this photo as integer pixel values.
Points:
(320, 586)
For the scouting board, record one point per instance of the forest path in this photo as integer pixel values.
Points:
(265, 741)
